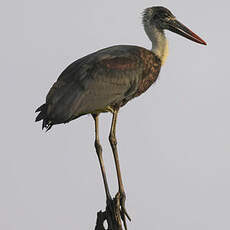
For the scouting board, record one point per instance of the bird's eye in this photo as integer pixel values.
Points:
(166, 15)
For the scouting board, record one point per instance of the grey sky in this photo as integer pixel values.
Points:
(173, 141)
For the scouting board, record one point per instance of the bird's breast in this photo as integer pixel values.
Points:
(151, 69)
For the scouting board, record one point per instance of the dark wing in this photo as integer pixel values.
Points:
(109, 82)
(94, 82)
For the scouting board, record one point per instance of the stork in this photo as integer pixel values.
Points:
(106, 80)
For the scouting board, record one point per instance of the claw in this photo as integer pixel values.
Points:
(123, 212)
(124, 221)
(122, 203)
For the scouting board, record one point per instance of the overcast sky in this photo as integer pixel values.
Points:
(173, 141)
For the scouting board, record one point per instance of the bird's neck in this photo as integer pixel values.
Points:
(159, 42)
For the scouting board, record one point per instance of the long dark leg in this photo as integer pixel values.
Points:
(99, 154)
(113, 143)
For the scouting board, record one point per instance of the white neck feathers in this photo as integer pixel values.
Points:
(159, 42)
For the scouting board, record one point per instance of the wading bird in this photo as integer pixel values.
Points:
(106, 80)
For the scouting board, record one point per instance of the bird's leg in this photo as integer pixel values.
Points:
(113, 143)
(99, 154)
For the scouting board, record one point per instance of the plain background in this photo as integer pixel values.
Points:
(173, 141)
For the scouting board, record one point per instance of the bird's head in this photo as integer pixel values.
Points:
(160, 18)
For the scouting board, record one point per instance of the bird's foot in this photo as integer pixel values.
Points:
(113, 215)
(110, 207)
(116, 212)
(123, 212)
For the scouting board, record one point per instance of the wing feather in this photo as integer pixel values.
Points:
(94, 82)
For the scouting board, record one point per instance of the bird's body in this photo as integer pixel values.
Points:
(100, 82)
(106, 80)
(109, 78)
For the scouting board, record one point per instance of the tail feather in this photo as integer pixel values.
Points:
(47, 123)
(42, 107)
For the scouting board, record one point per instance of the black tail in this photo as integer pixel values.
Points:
(43, 116)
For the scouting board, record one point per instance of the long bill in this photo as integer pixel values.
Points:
(177, 27)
